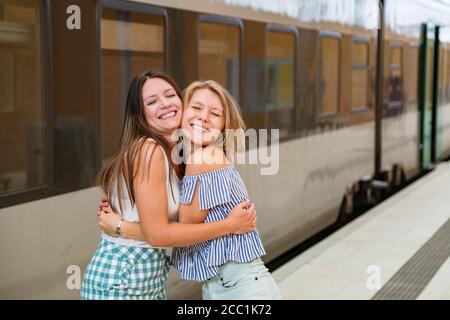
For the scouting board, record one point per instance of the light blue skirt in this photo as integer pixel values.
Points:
(125, 272)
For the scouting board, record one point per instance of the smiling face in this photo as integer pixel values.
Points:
(203, 117)
(162, 106)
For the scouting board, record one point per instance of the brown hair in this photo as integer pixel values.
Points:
(135, 131)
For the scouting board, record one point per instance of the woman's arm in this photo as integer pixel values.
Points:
(108, 221)
(154, 222)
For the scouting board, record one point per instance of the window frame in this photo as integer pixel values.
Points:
(273, 27)
(360, 40)
(338, 36)
(121, 5)
(229, 21)
(34, 193)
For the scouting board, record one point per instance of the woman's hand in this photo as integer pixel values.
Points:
(108, 220)
(242, 218)
(103, 204)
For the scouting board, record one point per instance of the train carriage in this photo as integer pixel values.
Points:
(360, 104)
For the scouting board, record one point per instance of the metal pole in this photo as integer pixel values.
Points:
(379, 90)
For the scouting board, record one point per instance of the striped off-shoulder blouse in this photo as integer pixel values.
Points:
(219, 192)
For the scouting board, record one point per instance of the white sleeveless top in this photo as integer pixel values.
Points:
(130, 212)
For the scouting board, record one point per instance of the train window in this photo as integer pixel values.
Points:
(360, 75)
(219, 54)
(413, 73)
(131, 42)
(280, 79)
(280, 61)
(395, 81)
(23, 123)
(329, 73)
(447, 75)
(396, 55)
(360, 53)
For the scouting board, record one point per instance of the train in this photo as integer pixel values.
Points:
(359, 91)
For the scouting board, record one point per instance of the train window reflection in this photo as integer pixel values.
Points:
(330, 57)
(359, 87)
(413, 73)
(360, 53)
(219, 54)
(280, 70)
(360, 75)
(396, 55)
(280, 76)
(131, 42)
(22, 116)
(395, 81)
(447, 75)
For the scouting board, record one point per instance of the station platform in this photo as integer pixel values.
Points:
(397, 250)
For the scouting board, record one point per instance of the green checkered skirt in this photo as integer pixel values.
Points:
(124, 272)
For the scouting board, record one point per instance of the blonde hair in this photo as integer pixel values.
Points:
(234, 124)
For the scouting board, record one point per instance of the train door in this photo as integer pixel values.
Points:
(428, 110)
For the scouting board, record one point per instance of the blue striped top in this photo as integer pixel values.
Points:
(219, 192)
